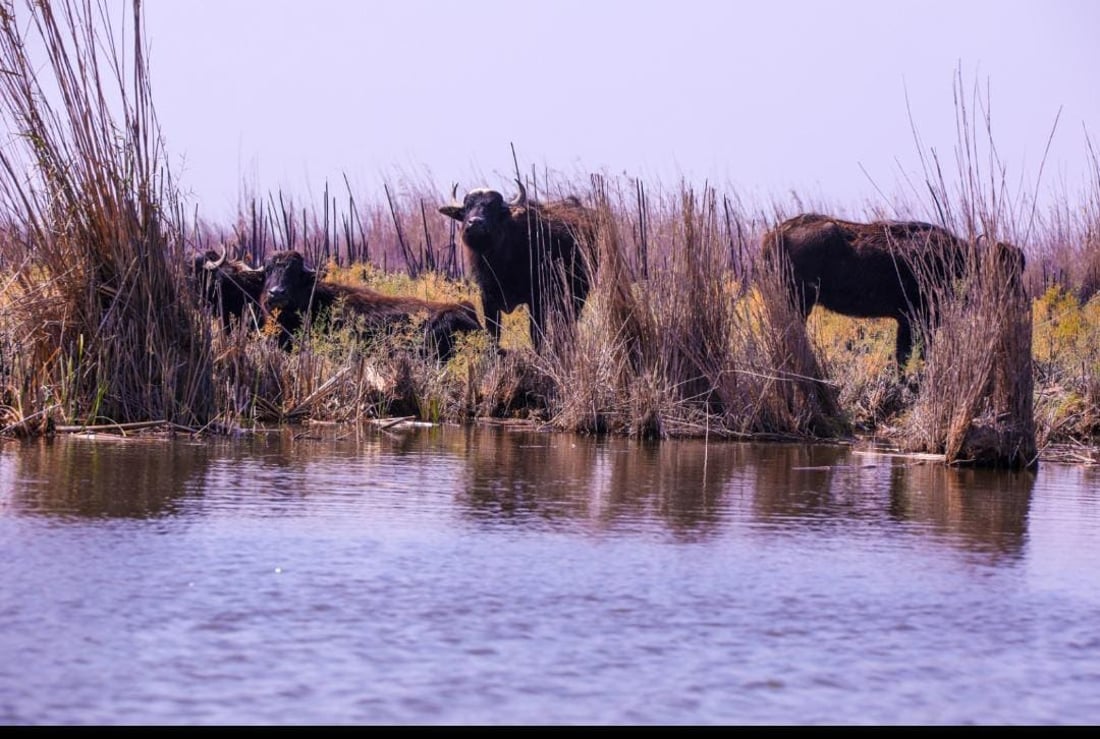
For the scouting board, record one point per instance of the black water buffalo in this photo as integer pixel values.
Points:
(294, 290)
(525, 252)
(231, 286)
(884, 269)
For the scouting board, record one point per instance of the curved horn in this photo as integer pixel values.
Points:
(218, 262)
(454, 193)
(521, 199)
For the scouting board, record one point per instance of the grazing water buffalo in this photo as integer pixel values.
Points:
(525, 252)
(231, 286)
(884, 269)
(294, 290)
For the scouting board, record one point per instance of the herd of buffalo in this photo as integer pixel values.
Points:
(525, 252)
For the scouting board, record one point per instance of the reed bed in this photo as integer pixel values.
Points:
(93, 311)
(686, 332)
(976, 400)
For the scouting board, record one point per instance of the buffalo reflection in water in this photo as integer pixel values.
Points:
(690, 488)
(603, 482)
(694, 488)
(978, 510)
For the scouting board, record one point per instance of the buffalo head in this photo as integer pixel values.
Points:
(231, 286)
(288, 282)
(1008, 259)
(484, 216)
(204, 271)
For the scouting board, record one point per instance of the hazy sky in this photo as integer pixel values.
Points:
(757, 97)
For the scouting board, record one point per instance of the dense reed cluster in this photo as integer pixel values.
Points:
(685, 330)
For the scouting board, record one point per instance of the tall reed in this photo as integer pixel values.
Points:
(975, 403)
(98, 299)
(675, 340)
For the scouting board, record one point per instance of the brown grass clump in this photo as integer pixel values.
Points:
(96, 301)
(975, 403)
(673, 341)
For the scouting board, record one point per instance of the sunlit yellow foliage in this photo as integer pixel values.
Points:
(431, 286)
(1066, 334)
(865, 344)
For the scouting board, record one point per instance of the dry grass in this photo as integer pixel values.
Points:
(94, 298)
(674, 340)
(686, 332)
(975, 403)
(975, 398)
(802, 397)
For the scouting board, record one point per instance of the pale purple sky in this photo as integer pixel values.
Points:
(758, 98)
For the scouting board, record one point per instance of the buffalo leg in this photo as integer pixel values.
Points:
(492, 309)
(537, 326)
(903, 344)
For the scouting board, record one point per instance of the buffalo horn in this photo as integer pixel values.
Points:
(218, 262)
(521, 198)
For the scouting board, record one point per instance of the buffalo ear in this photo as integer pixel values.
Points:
(453, 211)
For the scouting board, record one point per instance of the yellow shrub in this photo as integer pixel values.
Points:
(1065, 333)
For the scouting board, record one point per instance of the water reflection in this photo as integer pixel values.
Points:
(979, 510)
(603, 482)
(690, 490)
(680, 483)
(524, 474)
(469, 575)
(983, 510)
(694, 489)
(105, 477)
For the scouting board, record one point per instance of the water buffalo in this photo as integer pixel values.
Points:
(294, 290)
(231, 286)
(884, 269)
(525, 252)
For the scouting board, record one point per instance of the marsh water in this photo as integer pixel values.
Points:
(479, 576)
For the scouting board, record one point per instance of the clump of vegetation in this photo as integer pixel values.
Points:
(94, 313)
(1067, 366)
(859, 354)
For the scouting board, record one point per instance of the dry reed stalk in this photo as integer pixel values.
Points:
(635, 362)
(99, 297)
(595, 363)
(975, 402)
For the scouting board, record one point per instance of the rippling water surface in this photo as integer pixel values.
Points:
(454, 576)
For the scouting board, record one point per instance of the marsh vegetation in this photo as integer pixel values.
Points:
(685, 332)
